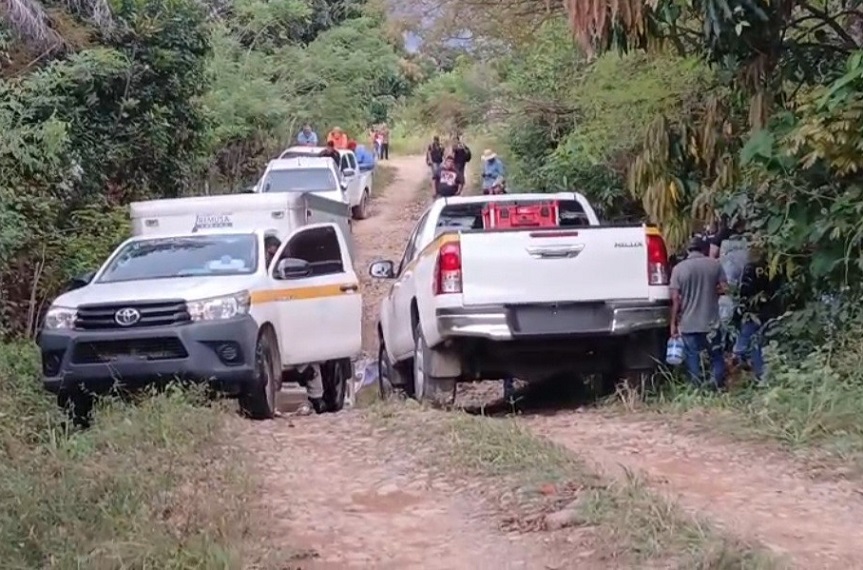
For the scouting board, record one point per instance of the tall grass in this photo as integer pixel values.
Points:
(135, 491)
(812, 403)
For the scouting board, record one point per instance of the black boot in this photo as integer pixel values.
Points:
(318, 405)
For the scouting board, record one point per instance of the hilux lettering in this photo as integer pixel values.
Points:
(628, 244)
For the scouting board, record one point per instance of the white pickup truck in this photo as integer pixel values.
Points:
(357, 183)
(234, 291)
(469, 303)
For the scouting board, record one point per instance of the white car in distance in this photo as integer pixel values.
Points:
(358, 183)
(316, 175)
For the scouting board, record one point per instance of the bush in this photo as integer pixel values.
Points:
(134, 491)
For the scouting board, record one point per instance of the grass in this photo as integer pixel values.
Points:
(135, 491)
(812, 406)
(634, 524)
(384, 176)
(405, 140)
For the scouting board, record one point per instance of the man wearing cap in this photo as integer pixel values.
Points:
(696, 284)
(492, 169)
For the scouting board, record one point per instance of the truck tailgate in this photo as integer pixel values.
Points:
(534, 266)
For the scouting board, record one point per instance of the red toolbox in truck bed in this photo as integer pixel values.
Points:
(502, 215)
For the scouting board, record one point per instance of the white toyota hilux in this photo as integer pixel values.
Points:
(469, 303)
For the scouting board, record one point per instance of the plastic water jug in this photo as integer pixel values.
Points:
(674, 351)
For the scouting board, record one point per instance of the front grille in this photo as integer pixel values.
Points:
(153, 314)
(95, 352)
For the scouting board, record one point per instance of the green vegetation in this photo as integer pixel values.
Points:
(635, 526)
(679, 114)
(135, 491)
(103, 103)
(163, 98)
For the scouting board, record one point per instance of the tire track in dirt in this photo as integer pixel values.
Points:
(334, 493)
(750, 492)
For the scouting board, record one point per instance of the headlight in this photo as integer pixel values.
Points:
(217, 308)
(60, 318)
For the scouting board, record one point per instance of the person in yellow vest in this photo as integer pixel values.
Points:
(338, 137)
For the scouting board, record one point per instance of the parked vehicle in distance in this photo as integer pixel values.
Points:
(358, 183)
(201, 294)
(469, 302)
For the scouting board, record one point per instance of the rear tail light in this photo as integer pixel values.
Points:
(657, 260)
(447, 275)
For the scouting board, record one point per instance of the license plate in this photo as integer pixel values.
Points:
(560, 319)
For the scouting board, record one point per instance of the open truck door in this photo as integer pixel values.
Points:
(317, 296)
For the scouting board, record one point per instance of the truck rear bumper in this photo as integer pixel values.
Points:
(511, 322)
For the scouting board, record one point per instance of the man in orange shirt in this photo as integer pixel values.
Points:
(338, 137)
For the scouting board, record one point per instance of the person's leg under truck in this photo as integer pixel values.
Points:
(314, 387)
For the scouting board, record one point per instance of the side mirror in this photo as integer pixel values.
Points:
(292, 268)
(250, 190)
(349, 172)
(80, 280)
(383, 269)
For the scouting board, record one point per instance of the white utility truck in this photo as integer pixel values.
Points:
(358, 183)
(241, 292)
(473, 300)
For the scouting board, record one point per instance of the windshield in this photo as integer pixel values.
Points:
(300, 180)
(190, 256)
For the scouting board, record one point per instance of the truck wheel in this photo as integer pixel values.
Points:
(361, 210)
(390, 375)
(335, 382)
(427, 388)
(259, 402)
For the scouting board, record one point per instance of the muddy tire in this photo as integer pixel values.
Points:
(259, 402)
(335, 381)
(361, 210)
(391, 376)
(439, 392)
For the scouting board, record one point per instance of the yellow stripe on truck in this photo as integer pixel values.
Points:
(302, 293)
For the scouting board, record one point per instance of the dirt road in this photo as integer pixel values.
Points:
(335, 495)
(748, 490)
(337, 492)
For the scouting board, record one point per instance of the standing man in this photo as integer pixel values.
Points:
(385, 142)
(759, 303)
(377, 139)
(307, 137)
(434, 155)
(448, 181)
(492, 170)
(730, 246)
(696, 284)
(461, 154)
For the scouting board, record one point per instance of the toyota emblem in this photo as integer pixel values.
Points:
(127, 317)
